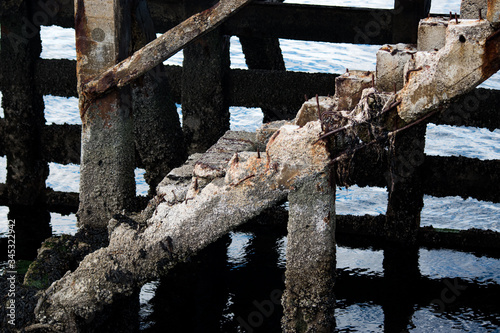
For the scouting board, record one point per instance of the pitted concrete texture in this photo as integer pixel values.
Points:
(391, 60)
(434, 78)
(213, 162)
(432, 33)
(469, 9)
(349, 86)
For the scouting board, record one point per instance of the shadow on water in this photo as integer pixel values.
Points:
(223, 290)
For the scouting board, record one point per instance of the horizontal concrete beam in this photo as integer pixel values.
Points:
(278, 89)
(368, 231)
(56, 77)
(62, 143)
(443, 176)
(315, 23)
(57, 202)
(462, 176)
(274, 20)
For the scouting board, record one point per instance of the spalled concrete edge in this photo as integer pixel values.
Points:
(434, 78)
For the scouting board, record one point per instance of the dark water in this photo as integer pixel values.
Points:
(232, 287)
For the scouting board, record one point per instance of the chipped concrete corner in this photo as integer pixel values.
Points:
(432, 78)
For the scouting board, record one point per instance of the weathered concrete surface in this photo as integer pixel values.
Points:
(432, 34)
(493, 12)
(404, 184)
(469, 57)
(266, 131)
(137, 254)
(157, 131)
(23, 127)
(310, 110)
(265, 54)
(308, 300)
(349, 87)
(390, 65)
(107, 183)
(205, 107)
(406, 16)
(213, 162)
(469, 9)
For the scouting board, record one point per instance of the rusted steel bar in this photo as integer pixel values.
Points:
(163, 47)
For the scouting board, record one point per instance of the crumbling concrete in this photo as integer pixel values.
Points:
(432, 79)
(157, 131)
(308, 300)
(188, 214)
(432, 34)
(469, 9)
(107, 183)
(311, 109)
(391, 60)
(349, 87)
(190, 218)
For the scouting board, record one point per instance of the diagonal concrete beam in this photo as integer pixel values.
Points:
(470, 55)
(163, 47)
(190, 215)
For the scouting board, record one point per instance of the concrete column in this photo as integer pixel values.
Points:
(158, 134)
(308, 300)
(205, 110)
(107, 183)
(469, 9)
(265, 53)
(407, 14)
(404, 185)
(24, 121)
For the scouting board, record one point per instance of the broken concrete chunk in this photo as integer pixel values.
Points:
(432, 34)
(348, 88)
(267, 130)
(391, 60)
(182, 173)
(309, 110)
(469, 57)
(212, 164)
(245, 166)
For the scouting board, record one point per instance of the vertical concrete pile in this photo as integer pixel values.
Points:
(158, 135)
(107, 182)
(24, 121)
